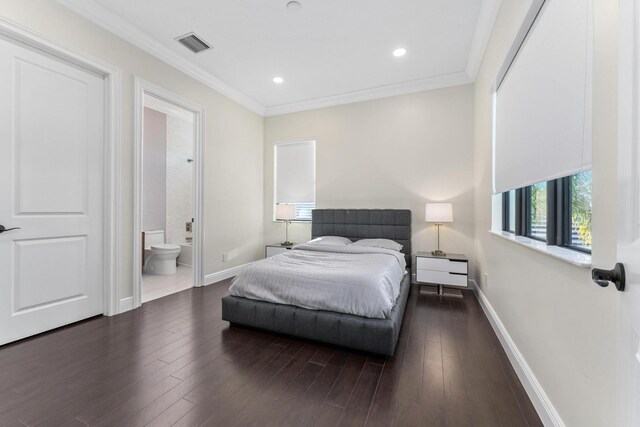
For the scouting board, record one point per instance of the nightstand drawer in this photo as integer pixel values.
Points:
(275, 250)
(441, 264)
(441, 278)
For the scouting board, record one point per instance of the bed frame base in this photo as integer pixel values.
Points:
(372, 335)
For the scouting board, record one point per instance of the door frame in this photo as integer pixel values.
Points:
(628, 204)
(143, 87)
(16, 33)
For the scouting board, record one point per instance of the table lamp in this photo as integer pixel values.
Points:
(438, 213)
(286, 213)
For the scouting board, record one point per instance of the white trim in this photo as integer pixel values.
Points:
(484, 27)
(141, 88)
(547, 412)
(168, 109)
(212, 278)
(431, 83)
(579, 259)
(126, 304)
(108, 20)
(112, 79)
(626, 389)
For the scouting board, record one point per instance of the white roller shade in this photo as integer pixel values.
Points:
(543, 104)
(295, 165)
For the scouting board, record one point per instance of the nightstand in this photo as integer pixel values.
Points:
(275, 249)
(449, 270)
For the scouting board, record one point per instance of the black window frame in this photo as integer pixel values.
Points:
(559, 223)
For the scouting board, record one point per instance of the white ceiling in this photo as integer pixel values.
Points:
(329, 52)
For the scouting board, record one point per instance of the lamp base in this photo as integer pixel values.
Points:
(438, 253)
(286, 244)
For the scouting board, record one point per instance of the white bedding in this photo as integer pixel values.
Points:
(363, 281)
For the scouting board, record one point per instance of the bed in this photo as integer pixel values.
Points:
(375, 335)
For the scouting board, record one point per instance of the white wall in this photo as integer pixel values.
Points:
(562, 323)
(179, 203)
(234, 136)
(397, 152)
(154, 170)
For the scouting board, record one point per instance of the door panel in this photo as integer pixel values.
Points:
(59, 260)
(51, 185)
(51, 157)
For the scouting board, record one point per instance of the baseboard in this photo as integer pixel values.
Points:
(547, 412)
(212, 278)
(126, 304)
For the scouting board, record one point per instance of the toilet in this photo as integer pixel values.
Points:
(159, 257)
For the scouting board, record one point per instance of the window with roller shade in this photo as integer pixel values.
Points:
(295, 177)
(542, 126)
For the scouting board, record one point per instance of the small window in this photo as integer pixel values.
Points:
(580, 211)
(537, 211)
(557, 212)
(509, 211)
(295, 177)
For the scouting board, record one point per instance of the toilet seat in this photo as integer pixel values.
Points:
(164, 247)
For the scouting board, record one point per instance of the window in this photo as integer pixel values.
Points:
(579, 233)
(295, 177)
(537, 211)
(557, 212)
(509, 211)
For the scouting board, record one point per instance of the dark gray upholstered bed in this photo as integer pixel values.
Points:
(361, 333)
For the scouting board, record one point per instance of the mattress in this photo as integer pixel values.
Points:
(360, 281)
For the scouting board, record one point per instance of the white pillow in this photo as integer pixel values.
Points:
(330, 240)
(379, 243)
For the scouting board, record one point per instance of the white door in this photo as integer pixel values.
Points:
(628, 348)
(51, 186)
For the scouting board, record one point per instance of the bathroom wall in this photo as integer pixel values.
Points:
(154, 170)
(167, 194)
(179, 179)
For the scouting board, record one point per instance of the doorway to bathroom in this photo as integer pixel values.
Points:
(168, 194)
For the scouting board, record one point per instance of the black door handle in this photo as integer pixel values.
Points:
(2, 229)
(616, 276)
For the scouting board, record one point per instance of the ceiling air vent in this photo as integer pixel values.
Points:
(192, 42)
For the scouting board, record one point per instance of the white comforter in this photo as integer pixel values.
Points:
(363, 281)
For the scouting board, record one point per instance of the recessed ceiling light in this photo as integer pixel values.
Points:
(400, 52)
(278, 80)
(294, 6)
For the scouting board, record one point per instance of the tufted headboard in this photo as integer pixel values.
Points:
(356, 224)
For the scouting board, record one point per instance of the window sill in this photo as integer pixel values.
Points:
(576, 258)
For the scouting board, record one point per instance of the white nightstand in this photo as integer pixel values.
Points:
(275, 249)
(449, 270)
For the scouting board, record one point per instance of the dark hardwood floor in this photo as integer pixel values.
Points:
(174, 362)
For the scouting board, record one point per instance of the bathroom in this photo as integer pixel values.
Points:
(167, 198)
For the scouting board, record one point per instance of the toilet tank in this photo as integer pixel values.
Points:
(153, 237)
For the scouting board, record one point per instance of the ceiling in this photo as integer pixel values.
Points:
(328, 52)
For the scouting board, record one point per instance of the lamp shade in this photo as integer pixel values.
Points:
(438, 212)
(286, 212)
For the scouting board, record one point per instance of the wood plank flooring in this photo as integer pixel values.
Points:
(175, 362)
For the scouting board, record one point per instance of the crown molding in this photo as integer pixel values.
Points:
(115, 24)
(386, 91)
(484, 26)
(108, 20)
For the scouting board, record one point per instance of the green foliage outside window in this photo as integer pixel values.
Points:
(581, 209)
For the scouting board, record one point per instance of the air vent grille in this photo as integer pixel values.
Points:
(192, 42)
